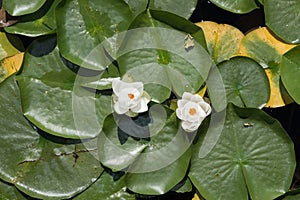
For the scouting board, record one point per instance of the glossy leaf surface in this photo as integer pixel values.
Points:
(52, 100)
(282, 17)
(236, 6)
(86, 24)
(17, 8)
(290, 73)
(243, 159)
(106, 188)
(39, 163)
(246, 83)
(41, 22)
(267, 50)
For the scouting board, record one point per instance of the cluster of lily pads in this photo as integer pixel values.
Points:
(115, 99)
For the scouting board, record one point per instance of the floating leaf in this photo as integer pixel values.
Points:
(246, 83)
(290, 73)
(159, 181)
(155, 54)
(9, 192)
(10, 65)
(17, 8)
(222, 40)
(37, 164)
(53, 100)
(177, 7)
(86, 24)
(236, 6)
(41, 22)
(267, 50)
(7, 45)
(282, 17)
(135, 146)
(106, 188)
(258, 160)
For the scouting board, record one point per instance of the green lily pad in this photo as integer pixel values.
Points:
(236, 6)
(137, 6)
(106, 188)
(17, 8)
(9, 192)
(37, 165)
(41, 22)
(51, 98)
(160, 181)
(125, 141)
(253, 155)
(262, 46)
(177, 7)
(84, 25)
(246, 83)
(282, 17)
(155, 55)
(144, 150)
(290, 73)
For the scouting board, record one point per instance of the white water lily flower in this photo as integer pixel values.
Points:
(129, 98)
(192, 110)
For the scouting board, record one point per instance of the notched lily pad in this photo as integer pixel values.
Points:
(36, 165)
(244, 158)
(267, 50)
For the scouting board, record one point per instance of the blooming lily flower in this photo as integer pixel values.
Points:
(192, 110)
(129, 98)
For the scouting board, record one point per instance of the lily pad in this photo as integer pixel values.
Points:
(10, 65)
(9, 192)
(267, 50)
(177, 7)
(290, 73)
(106, 188)
(155, 54)
(86, 24)
(36, 165)
(142, 141)
(236, 6)
(223, 40)
(41, 22)
(160, 181)
(246, 83)
(52, 100)
(282, 17)
(253, 155)
(8, 45)
(17, 8)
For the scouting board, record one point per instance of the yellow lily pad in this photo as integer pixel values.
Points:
(6, 48)
(267, 50)
(196, 197)
(222, 40)
(10, 65)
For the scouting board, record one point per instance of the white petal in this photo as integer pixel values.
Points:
(187, 96)
(116, 85)
(206, 107)
(189, 127)
(197, 98)
(141, 107)
(120, 110)
(179, 113)
(181, 103)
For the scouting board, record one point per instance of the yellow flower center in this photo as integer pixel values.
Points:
(192, 111)
(131, 96)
